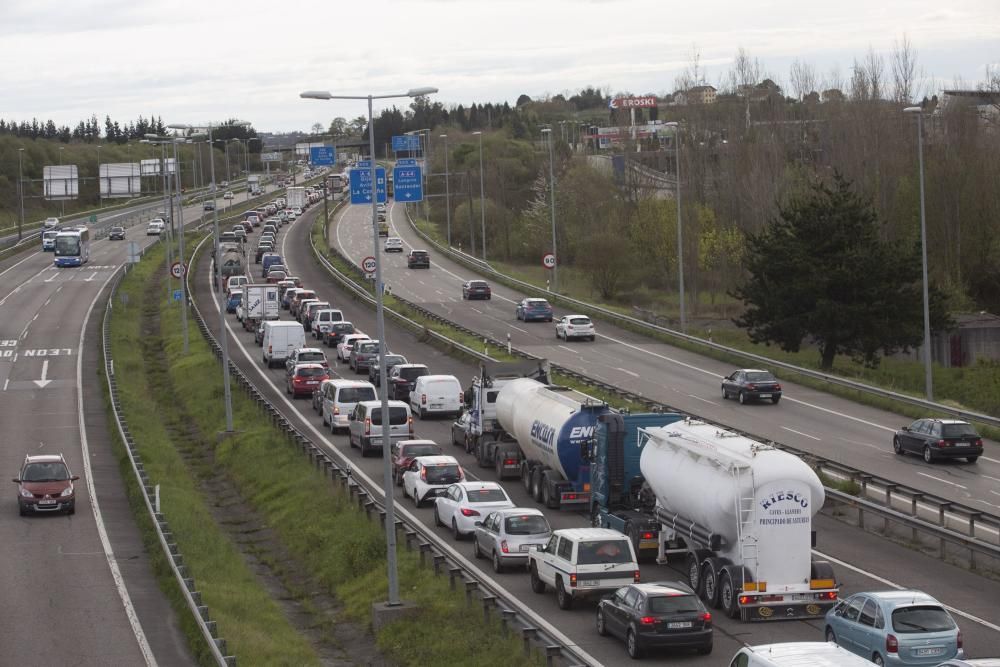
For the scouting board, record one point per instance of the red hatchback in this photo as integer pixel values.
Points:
(305, 379)
(45, 485)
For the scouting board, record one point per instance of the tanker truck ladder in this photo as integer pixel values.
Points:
(745, 510)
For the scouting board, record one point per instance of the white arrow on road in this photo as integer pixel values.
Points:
(45, 371)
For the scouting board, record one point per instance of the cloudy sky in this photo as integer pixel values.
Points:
(192, 61)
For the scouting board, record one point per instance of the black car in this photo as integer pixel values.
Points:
(116, 233)
(939, 439)
(476, 289)
(390, 360)
(208, 206)
(667, 615)
(751, 384)
(418, 259)
(402, 378)
(337, 331)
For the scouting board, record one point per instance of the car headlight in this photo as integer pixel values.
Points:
(68, 491)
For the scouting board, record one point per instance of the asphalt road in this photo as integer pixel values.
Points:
(859, 559)
(809, 420)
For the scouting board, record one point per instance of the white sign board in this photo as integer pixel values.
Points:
(120, 179)
(61, 182)
(152, 167)
(270, 157)
(133, 252)
(303, 149)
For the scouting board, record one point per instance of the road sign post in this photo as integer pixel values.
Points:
(549, 260)
(368, 264)
(133, 253)
(407, 184)
(177, 270)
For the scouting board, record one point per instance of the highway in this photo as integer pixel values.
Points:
(862, 561)
(77, 589)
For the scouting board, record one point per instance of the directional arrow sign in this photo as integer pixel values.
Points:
(45, 371)
(407, 184)
(361, 185)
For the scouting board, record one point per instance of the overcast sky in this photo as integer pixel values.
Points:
(193, 61)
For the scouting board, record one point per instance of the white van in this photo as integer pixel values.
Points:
(365, 426)
(339, 398)
(436, 395)
(280, 338)
(796, 654)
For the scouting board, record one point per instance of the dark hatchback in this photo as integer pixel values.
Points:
(337, 331)
(402, 379)
(939, 439)
(418, 259)
(116, 233)
(476, 289)
(390, 360)
(749, 384)
(647, 616)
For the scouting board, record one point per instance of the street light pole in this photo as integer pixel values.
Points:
(62, 201)
(100, 194)
(680, 237)
(387, 482)
(447, 188)
(928, 357)
(20, 193)
(180, 228)
(482, 193)
(552, 197)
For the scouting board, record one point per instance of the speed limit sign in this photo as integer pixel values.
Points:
(549, 260)
(177, 270)
(368, 264)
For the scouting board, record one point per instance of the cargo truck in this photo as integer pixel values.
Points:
(296, 197)
(484, 432)
(260, 303)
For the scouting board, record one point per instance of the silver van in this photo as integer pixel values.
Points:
(339, 398)
(365, 429)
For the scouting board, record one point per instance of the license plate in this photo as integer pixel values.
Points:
(435, 406)
(46, 502)
(313, 382)
(524, 548)
(677, 625)
(647, 544)
(590, 582)
(929, 651)
(765, 396)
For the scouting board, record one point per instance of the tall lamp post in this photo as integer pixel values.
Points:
(62, 201)
(258, 140)
(928, 375)
(20, 193)
(547, 131)
(387, 484)
(447, 187)
(680, 233)
(482, 193)
(224, 338)
(100, 194)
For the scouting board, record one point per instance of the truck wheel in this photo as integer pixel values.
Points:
(537, 585)
(526, 477)
(710, 588)
(727, 596)
(694, 573)
(536, 484)
(564, 599)
(549, 496)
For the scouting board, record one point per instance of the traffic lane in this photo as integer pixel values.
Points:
(812, 421)
(878, 553)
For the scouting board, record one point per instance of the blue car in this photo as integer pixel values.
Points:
(895, 628)
(234, 301)
(534, 309)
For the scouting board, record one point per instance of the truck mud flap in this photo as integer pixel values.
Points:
(785, 612)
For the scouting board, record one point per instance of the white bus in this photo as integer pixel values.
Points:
(72, 247)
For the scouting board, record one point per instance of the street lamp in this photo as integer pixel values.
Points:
(224, 342)
(387, 484)
(62, 201)
(100, 194)
(258, 140)
(167, 204)
(680, 238)
(928, 376)
(482, 193)
(552, 184)
(447, 188)
(20, 193)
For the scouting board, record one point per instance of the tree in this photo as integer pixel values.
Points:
(821, 271)
(317, 128)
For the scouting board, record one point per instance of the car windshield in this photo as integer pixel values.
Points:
(526, 524)
(67, 245)
(412, 373)
(760, 376)
(45, 472)
(397, 416)
(907, 620)
(673, 604)
(486, 495)
(420, 450)
(311, 372)
(959, 431)
(537, 304)
(448, 473)
(356, 394)
(603, 551)
(115, 230)
(344, 328)
(393, 360)
(312, 356)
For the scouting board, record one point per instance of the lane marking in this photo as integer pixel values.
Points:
(887, 582)
(699, 398)
(573, 351)
(943, 481)
(625, 370)
(516, 328)
(863, 444)
(806, 435)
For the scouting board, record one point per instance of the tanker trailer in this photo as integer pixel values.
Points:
(741, 514)
(554, 428)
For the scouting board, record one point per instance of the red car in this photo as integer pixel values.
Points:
(404, 451)
(45, 485)
(305, 379)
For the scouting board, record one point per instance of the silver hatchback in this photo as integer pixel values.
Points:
(505, 536)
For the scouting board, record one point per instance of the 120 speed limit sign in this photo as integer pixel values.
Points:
(549, 260)
(368, 264)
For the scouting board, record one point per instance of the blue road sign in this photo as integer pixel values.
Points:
(363, 164)
(322, 155)
(406, 142)
(407, 184)
(406, 162)
(178, 295)
(361, 185)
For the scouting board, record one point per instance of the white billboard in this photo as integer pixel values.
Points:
(61, 182)
(303, 149)
(120, 179)
(152, 167)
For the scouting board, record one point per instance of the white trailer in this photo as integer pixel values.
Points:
(296, 197)
(740, 512)
(260, 303)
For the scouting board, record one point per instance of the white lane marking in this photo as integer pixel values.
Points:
(863, 444)
(943, 481)
(14, 266)
(568, 349)
(995, 479)
(47, 301)
(995, 493)
(35, 317)
(400, 509)
(699, 398)
(898, 587)
(54, 276)
(109, 554)
(5, 383)
(90, 277)
(986, 458)
(625, 370)
(476, 310)
(18, 288)
(517, 328)
(805, 435)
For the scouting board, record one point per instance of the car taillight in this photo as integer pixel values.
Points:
(510, 462)
(635, 576)
(751, 386)
(648, 620)
(368, 426)
(572, 581)
(978, 442)
(777, 387)
(648, 535)
(706, 618)
(958, 640)
(423, 399)
(891, 644)
(941, 443)
(336, 410)
(423, 474)
(409, 423)
(467, 512)
(503, 548)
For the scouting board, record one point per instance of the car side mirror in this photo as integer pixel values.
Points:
(478, 524)
(74, 478)
(906, 428)
(16, 480)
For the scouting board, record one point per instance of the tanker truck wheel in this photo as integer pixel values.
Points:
(526, 477)
(694, 573)
(536, 484)
(550, 501)
(728, 596)
(710, 588)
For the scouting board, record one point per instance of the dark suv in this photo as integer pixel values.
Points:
(45, 485)
(418, 259)
(939, 439)
(402, 378)
(374, 376)
(476, 289)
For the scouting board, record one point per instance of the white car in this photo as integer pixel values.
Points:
(465, 503)
(297, 211)
(51, 222)
(290, 216)
(228, 195)
(429, 476)
(394, 244)
(346, 344)
(155, 227)
(575, 326)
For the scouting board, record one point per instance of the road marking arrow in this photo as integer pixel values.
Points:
(45, 371)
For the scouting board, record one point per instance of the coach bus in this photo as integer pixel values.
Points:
(72, 247)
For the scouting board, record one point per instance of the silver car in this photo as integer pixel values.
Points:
(505, 536)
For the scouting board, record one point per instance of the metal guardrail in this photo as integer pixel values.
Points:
(208, 628)
(878, 496)
(610, 315)
(514, 615)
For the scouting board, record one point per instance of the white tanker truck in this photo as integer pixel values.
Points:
(740, 512)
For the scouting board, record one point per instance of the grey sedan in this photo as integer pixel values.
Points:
(505, 536)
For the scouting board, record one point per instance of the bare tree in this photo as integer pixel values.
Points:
(875, 73)
(834, 80)
(693, 74)
(744, 76)
(904, 71)
(803, 78)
